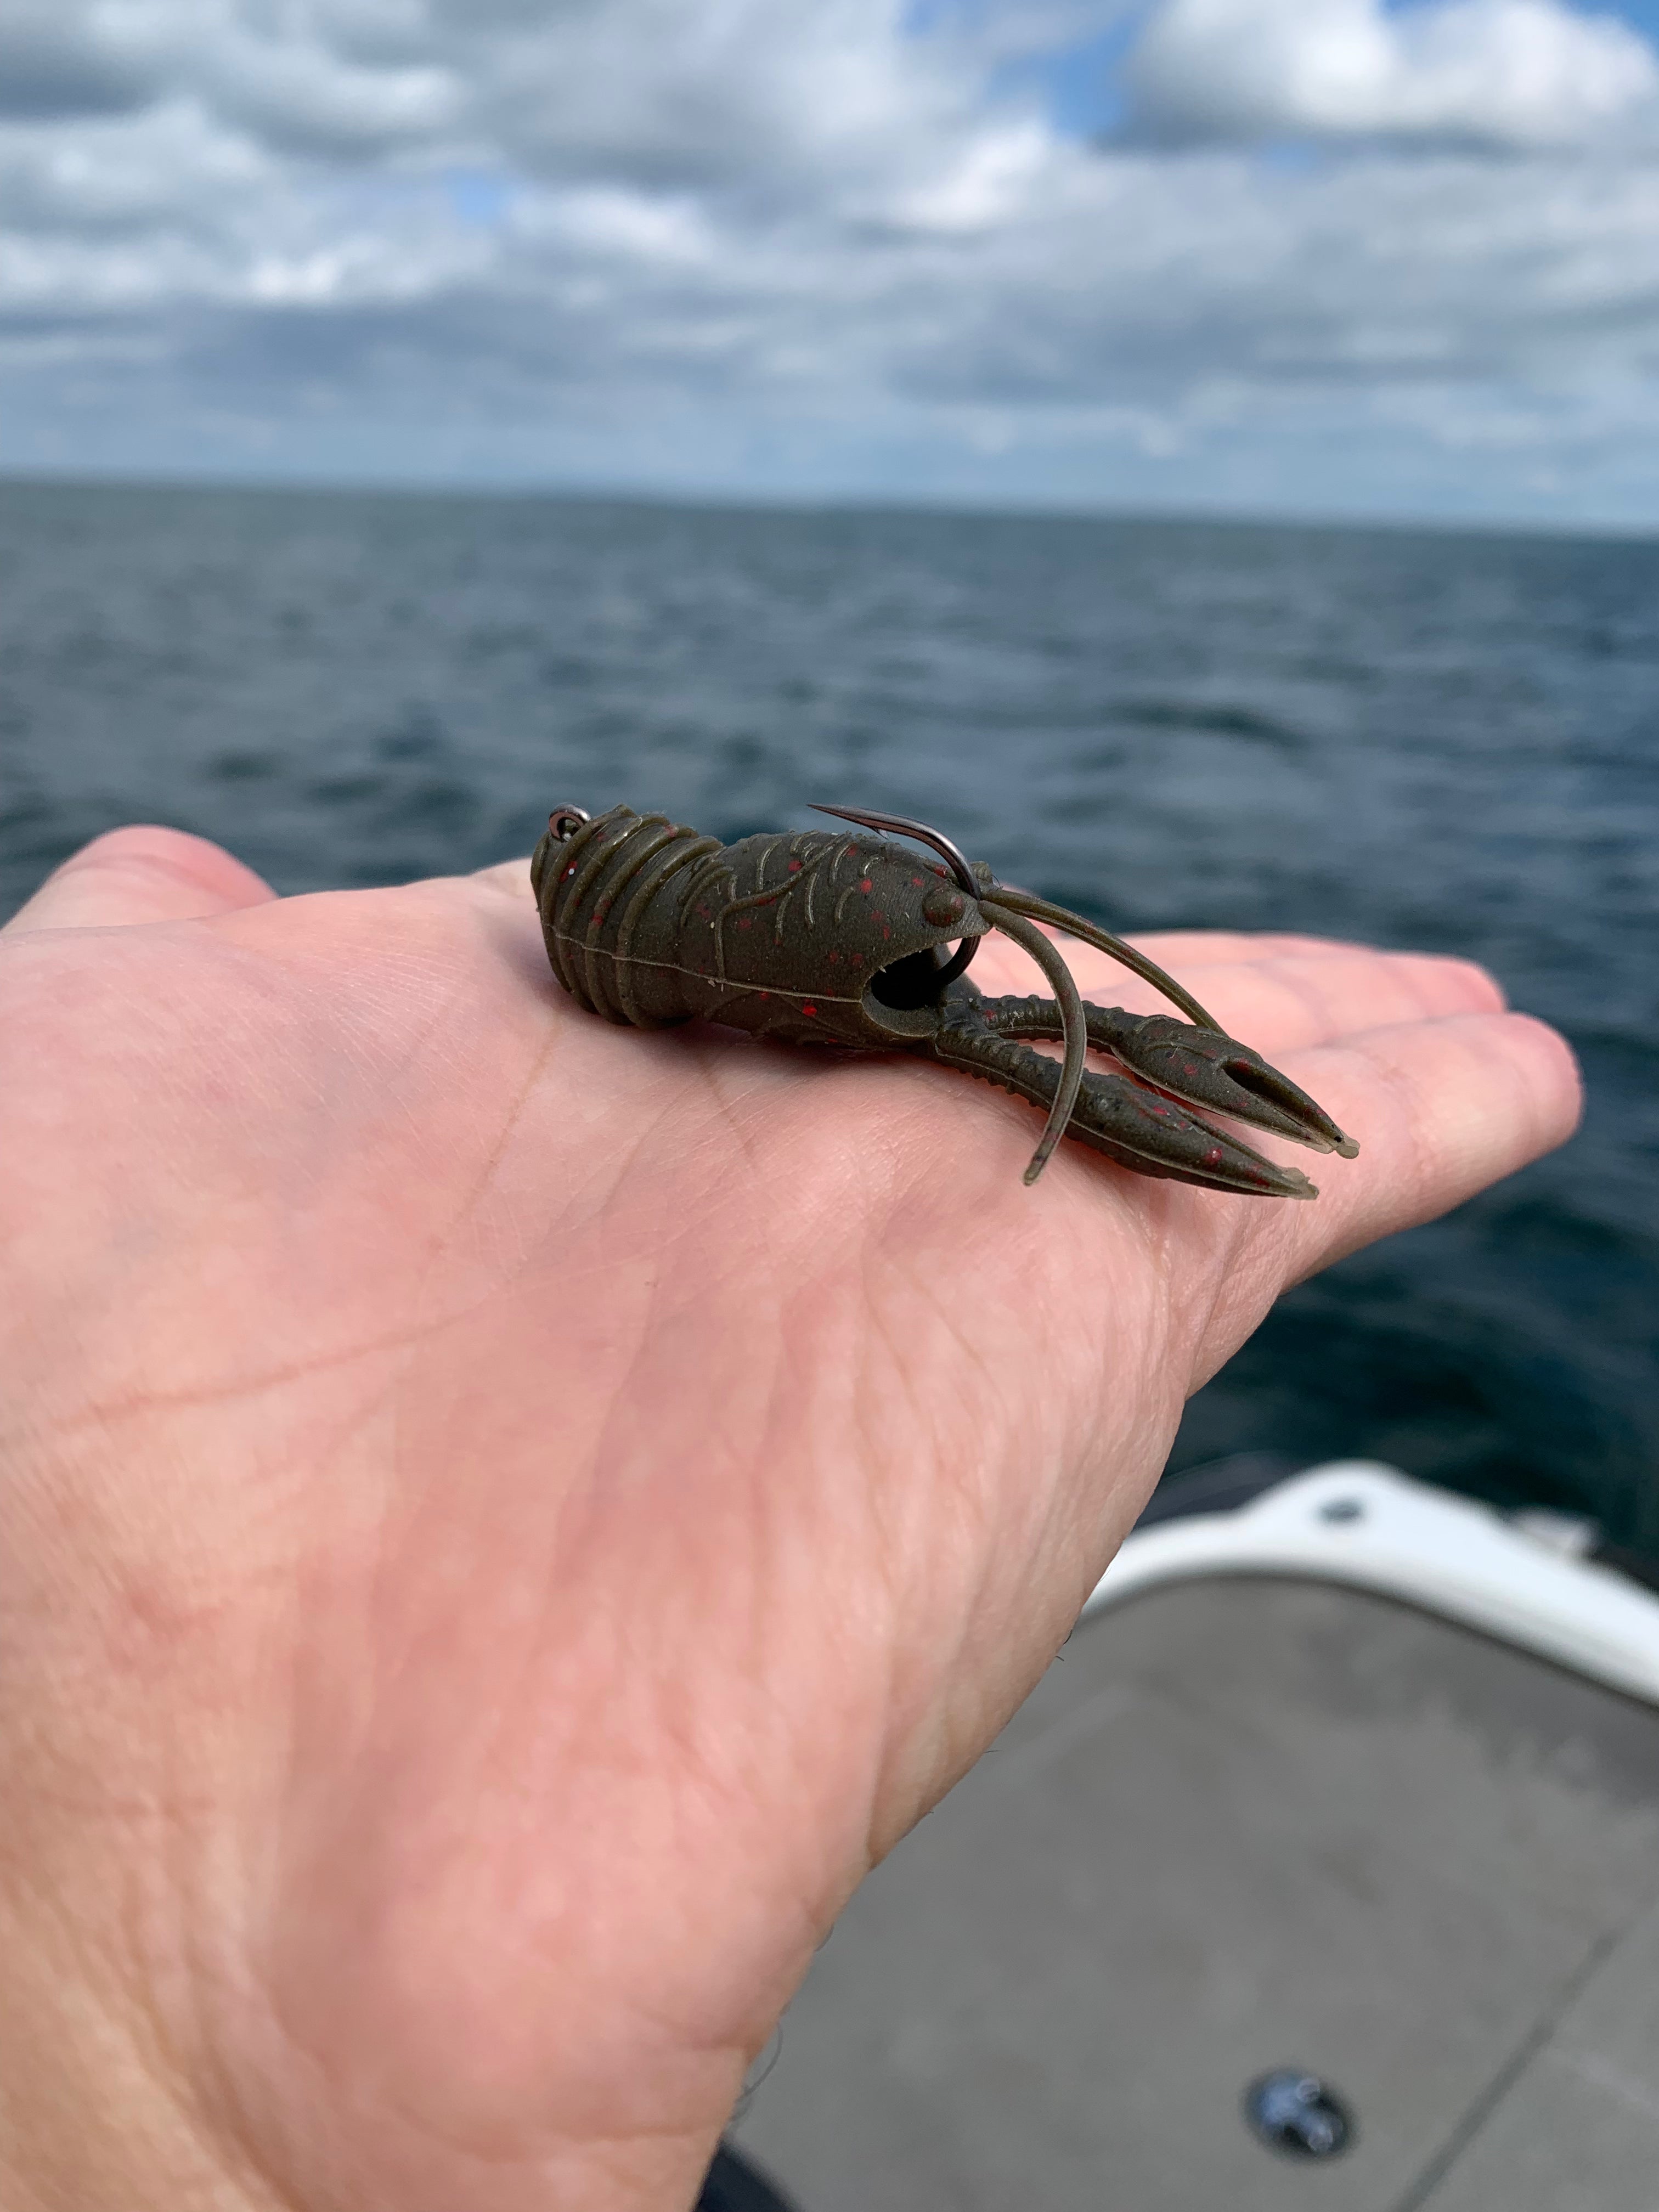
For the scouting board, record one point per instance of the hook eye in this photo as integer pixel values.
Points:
(564, 822)
(957, 961)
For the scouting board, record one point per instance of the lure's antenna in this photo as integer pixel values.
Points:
(1060, 917)
(1074, 1025)
(902, 825)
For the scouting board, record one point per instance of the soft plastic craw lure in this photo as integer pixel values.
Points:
(818, 937)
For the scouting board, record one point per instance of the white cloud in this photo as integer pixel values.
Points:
(311, 100)
(1509, 74)
(90, 60)
(170, 169)
(747, 243)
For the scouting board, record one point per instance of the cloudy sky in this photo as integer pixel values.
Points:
(1317, 256)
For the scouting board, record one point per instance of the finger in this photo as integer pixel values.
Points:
(1449, 1107)
(510, 878)
(144, 874)
(1290, 1002)
(1185, 953)
(1289, 993)
(1441, 1109)
(1179, 950)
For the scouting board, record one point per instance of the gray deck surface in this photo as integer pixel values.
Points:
(1244, 1825)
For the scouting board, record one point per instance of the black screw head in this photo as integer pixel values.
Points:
(1343, 1509)
(1298, 2114)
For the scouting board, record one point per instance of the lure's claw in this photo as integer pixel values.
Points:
(1143, 1123)
(1138, 1127)
(1203, 1068)
(1156, 1136)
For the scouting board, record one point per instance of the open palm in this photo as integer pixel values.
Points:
(504, 1518)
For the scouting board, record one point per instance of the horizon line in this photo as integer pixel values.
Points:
(712, 499)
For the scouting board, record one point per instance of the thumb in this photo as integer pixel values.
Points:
(141, 874)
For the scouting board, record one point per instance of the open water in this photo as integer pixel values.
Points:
(1436, 740)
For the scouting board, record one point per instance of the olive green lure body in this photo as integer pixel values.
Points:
(820, 937)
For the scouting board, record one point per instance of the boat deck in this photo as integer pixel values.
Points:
(1245, 1825)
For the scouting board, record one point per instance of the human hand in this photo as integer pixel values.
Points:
(505, 1518)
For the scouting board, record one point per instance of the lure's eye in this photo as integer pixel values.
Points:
(943, 907)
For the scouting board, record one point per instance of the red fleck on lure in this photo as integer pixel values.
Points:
(813, 936)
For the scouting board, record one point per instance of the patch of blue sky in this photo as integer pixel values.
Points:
(1075, 80)
(479, 198)
(1078, 82)
(1641, 15)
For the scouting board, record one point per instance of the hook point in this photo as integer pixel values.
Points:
(868, 818)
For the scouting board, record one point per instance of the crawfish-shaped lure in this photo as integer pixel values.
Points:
(817, 937)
